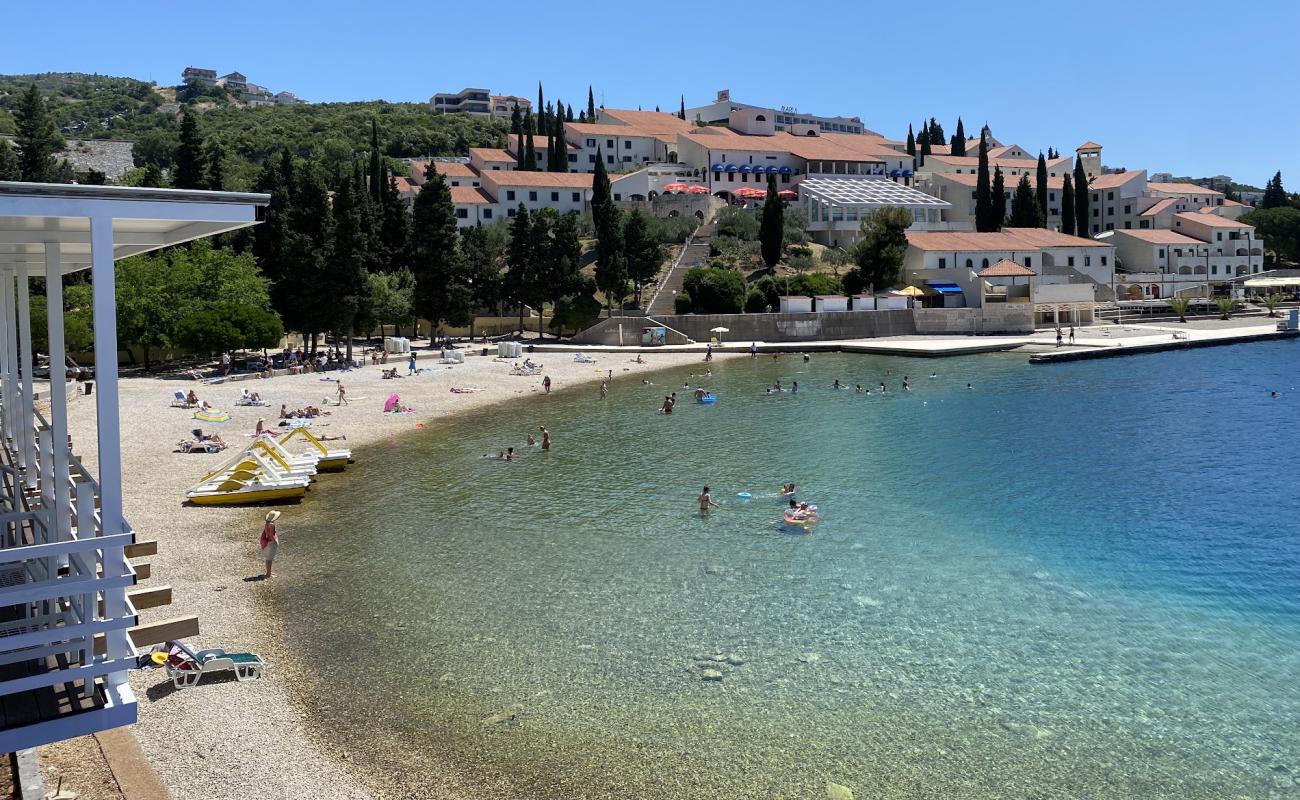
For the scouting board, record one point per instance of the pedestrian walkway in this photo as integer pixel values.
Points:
(696, 255)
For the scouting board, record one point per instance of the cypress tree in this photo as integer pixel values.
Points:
(771, 229)
(911, 142)
(1024, 206)
(216, 157)
(681, 112)
(37, 138)
(1041, 189)
(394, 227)
(10, 170)
(549, 120)
(999, 199)
(1080, 200)
(983, 192)
(376, 164)
(925, 146)
(542, 111)
(582, 116)
(516, 121)
(959, 140)
(191, 170)
(568, 113)
(1067, 205)
(591, 105)
(345, 273)
(530, 154)
(611, 267)
(558, 157)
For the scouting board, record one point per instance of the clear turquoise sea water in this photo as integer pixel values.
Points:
(1077, 580)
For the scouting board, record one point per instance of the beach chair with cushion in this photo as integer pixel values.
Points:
(187, 668)
(179, 401)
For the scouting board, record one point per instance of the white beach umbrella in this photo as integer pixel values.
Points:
(719, 330)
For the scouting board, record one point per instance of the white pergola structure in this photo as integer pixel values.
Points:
(68, 607)
(837, 205)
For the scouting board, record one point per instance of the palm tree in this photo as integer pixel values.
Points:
(1179, 306)
(1271, 302)
(1225, 305)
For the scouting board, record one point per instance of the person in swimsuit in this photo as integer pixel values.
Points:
(706, 501)
(269, 543)
(546, 439)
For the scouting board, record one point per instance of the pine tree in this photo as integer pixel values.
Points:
(37, 138)
(642, 252)
(10, 170)
(191, 170)
(376, 164)
(394, 227)
(911, 143)
(1024, 206)
(216, 161)
(959, 140)
(999, 199)
(1080, 200)
(1067, 205)
(611, 267)
(983, 192)
(152, 177)
(519, 277)
(1040, 185)
(591, 105)
(346, 272)
(542, 112)
(771, 229)
(1274, 193)
(516, 121)
(936, 132)
(681, 112)
(434, 255)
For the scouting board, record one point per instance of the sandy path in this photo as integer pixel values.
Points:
(229, 740)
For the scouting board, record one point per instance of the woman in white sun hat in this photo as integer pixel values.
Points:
(270, 541)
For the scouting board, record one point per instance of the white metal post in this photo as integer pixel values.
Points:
(108, 427)
(61, 512)
(26, 351)
(8, 360)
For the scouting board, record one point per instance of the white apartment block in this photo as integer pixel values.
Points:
(477, 103)
(783, 118)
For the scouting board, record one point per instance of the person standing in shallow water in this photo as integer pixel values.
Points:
(269, 543)
(546, 383)
(546, 439)
(706, 501)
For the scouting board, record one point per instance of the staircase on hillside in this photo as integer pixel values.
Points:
(696, 255)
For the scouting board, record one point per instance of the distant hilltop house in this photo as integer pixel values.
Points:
(477, 103)
(237, 84)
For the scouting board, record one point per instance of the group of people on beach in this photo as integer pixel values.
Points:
(307, 412)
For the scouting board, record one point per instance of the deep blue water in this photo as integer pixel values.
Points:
(1074, 580)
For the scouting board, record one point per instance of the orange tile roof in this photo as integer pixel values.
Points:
(491, 155)
(1210, 220)
(1158, 207)
(469, 196)
(1006, 268)
(605, 129)
(1182, 188)
(405, 185)
(556, 180)
(1114, 180)
(973, 161)
(1006, 239)
(648, 121)
(1158, 236)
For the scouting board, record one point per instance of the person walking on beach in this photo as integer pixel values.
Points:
(269, 544)
(546, 439)
(343, 395)
(1071, 334)
(706, 501)
(753, 349)
(546, 383)
(225, 363)
(1058, 337)
(410, 365)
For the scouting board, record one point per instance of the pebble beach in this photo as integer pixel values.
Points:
(225, 739)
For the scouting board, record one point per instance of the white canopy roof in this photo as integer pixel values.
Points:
(33, 214)
(874, 192)
(1259, 283)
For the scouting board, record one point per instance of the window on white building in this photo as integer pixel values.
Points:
(532, 196)
(577, 197)
(591, 142)
(555, 197)
(462, 213)
(510, 194)
(487, 213)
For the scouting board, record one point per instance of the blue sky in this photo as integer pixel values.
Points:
(1189, 87)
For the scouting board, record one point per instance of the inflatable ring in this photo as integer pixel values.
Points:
(158, 657)
(708, 399)
(744, 495)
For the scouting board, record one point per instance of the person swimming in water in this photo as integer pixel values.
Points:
(787, 489)
(794, 387)
(700, 393)
(858, 388)
(882, 387)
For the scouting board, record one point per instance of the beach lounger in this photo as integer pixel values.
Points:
(192, 446)
(248, 401)
(187, 668)
(179, 401)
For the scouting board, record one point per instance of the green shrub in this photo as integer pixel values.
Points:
(738, 223)
(814, 283)
(755, 302)
(853, 281)
(715, 291)
(770, 289)
(682, 303)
